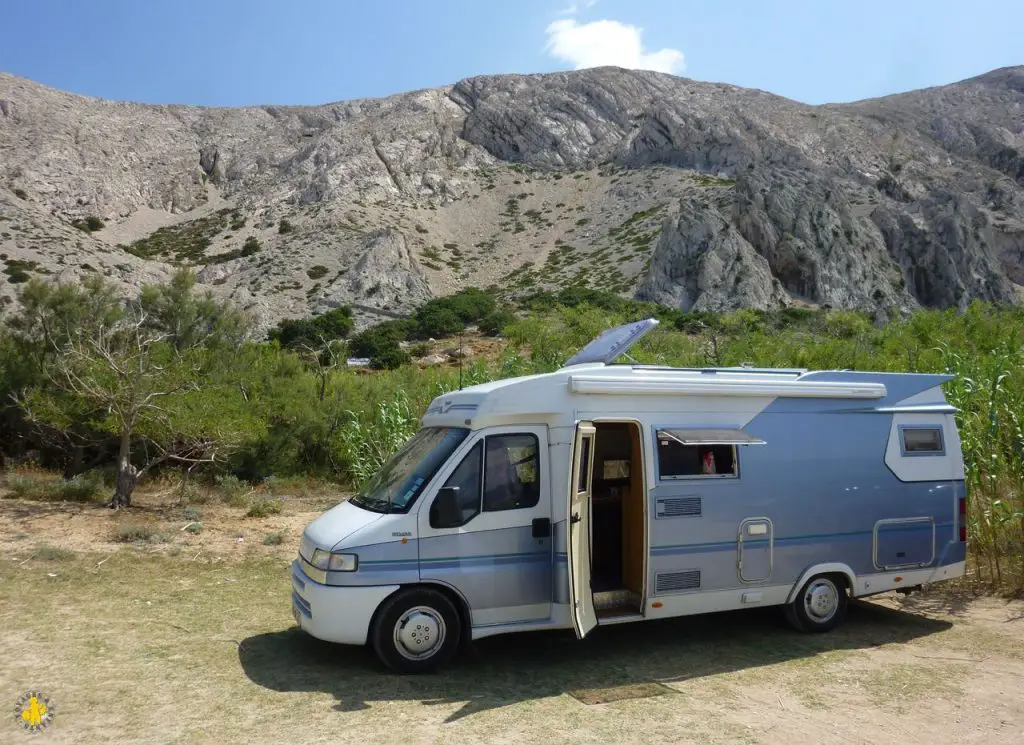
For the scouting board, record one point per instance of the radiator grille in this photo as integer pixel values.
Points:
(677, 581)
(679, 507)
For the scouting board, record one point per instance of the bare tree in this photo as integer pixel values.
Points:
(145, 384)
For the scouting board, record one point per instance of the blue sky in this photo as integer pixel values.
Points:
(240, 52)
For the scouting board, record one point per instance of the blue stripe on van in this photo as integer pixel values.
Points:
(693, 548)
(448, 562)
(688, 548)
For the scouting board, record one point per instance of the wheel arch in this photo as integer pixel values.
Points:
(456, 598)
(843, 570)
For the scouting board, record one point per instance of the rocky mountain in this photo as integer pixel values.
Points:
(697, 195)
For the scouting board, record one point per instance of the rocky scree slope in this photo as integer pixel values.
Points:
(697, 195)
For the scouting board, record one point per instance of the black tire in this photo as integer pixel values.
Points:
(411, 618)
(820, 605)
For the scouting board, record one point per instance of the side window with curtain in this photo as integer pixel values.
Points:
(511, 472)
(467, 478)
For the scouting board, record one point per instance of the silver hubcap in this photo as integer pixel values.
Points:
(821, 600)
(419, 633)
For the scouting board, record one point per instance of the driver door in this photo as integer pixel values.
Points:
(499, 556)
(581, 599)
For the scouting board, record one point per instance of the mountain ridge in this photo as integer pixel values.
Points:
(698, 195)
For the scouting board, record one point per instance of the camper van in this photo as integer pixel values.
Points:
(611, 492)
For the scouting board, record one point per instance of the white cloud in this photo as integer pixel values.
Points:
(608, 43)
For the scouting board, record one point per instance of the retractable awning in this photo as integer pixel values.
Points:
(710, 436)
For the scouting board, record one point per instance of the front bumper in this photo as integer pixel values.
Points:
(332, 613)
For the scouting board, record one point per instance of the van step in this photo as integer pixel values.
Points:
(616, 599)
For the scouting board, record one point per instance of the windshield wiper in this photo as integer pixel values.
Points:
(374, 503)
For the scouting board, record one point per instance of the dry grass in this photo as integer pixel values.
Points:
(191, 640)
(190, 647)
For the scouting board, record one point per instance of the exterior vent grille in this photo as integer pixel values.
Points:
(679, 507)
(677, 581)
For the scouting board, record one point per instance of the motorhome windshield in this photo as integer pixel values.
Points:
(399, 481)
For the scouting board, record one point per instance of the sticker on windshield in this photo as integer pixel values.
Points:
(412, 489)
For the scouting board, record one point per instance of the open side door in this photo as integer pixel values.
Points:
(581, 599)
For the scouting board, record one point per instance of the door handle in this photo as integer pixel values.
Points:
(575, 518)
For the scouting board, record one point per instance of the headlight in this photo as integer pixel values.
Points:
(320, 558)
(334, 562)
(343, 562)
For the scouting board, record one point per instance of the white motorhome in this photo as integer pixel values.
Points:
(608, 493)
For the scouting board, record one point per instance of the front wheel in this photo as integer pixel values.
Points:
(416, 630)
(820, 605)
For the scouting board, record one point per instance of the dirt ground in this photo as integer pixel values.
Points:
(190, 640)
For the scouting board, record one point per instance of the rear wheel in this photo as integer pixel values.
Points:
(416, 630)
(820, 605)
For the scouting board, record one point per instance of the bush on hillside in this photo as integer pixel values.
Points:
(294, 333)
(494, 323)
(251, 246)
(369, 342)
(448, 315)
(437, 321)
(389, 358)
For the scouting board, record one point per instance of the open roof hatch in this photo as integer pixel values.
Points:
(613, 343)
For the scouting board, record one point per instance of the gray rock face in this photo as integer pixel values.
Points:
(698, 195)
(386, 276)
(702, 262)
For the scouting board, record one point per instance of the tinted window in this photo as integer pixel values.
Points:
(512, 472)
(922, 440)
(584, 464)
(467, 478)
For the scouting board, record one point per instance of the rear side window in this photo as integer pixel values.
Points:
(916, 440)
(676, 461)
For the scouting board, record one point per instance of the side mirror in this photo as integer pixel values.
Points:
(446, 512)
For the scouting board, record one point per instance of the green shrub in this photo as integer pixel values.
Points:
(251, 246)
(376, 339)
(86, 487)
(139, 533)
(292, 333)
(390, 358)
(192, 493)
(194, 528)
(438, 321)
(53, 553)
(317, 272)
(494, 323)
(228, 485)
(284, 227)
(192, 514)
(273, 539)
(264, 508)
(444, 316)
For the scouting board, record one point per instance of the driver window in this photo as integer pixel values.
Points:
(511, 473)
(467, 478)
